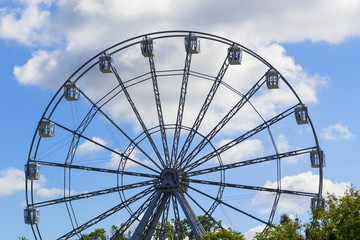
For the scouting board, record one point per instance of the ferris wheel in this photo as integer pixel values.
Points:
(139, 138)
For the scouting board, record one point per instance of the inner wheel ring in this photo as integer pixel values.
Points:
(183, 176)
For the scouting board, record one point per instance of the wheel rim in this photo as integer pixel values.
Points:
(167, 137)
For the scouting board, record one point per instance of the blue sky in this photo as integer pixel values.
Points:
(314, 44)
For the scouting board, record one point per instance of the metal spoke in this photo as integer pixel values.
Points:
(224, 121)
(137, 114)
(228, 205)
(247, 187)
(102, 146)
(206, 212)
(107, 213)
(132, 143)
(93, 194)
(240, 139)
(252, 161)
(180, 112)
(158, 106)
(95, 169)
(203, 109)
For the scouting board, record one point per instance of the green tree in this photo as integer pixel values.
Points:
(208, 224)
(224, 234)
(98, 234)
(124, 237)
(287, 229)
(339, 219)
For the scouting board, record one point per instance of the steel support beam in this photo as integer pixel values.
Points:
(180, 112)
(106, 214)
(158, 107)
(141, 227)
(92, 194)
(203, 110)
(137, 114)
(195, 224)
(155, 217)
(95, 169)
(224, 121)
(103, 146)
(252, 161)
(261, 189)
(239, 139)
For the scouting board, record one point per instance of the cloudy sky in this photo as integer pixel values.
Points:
(314, 44)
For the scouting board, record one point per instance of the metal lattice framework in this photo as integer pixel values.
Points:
(185, 162)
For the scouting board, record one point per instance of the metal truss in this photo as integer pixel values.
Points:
(180, 112)
(224, 121)
(203, 110)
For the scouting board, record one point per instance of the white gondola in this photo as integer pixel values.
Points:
(316, 159)
(301, 115)
(105, 63)
(46, 129)
(192, 44)
(71, 92)
(32, 171)
(31, 215)
(147, 47)
(272, 79)
(234, 55)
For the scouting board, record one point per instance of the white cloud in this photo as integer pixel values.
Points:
(11, 181)
(115, 160)
(337, 132)
(253, 231)
(243, 151)
(88, 26)
(295, 21)
(52, 192)
(49, 192)
(28, 25)
(304, 182)
(39, 69)
(284, 146)
(89, 147)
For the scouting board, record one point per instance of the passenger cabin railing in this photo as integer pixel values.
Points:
(272, 79)
(46, 129)
(317, 159)
(192, 44)
(32, 171)
(234, 55)
(105, 62)
(301, 115)
(31, 215)
(71, 92)
(147, 47)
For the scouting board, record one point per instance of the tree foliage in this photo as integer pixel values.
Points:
(98, 234)
(287, 229)
(224, 234)
(339, 219)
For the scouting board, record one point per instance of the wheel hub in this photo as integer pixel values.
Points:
(171, 179)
